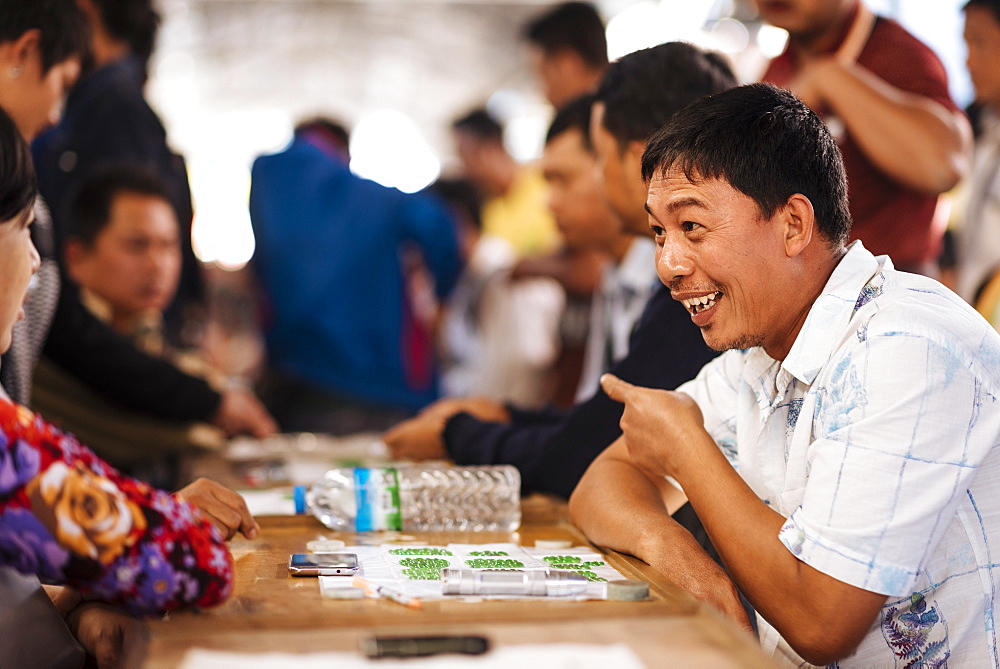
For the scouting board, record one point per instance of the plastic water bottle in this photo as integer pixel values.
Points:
(418, 497)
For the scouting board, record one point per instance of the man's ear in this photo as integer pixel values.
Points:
(632, 159)
(799, 224)
(75, 254)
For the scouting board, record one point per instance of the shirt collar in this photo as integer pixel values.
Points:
(637, 270)
(857, 278)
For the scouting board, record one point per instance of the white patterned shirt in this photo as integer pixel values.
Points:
(877, 439)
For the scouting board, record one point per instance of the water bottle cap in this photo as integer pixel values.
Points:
(299, 495)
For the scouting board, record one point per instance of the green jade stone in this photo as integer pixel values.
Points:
(420, 551)
(562, 559)
(489, 553)
(424, 562)
(589, 575)
(417, 574)
(494, 563)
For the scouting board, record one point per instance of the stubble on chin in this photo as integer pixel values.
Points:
(739, 343)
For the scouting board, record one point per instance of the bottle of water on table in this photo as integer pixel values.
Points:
(418, 497)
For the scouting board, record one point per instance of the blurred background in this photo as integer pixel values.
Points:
(230, 78)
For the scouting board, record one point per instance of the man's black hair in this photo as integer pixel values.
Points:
(64, 29)
(642, 90)
(134, 22)
(573, 26)
(481, 124)
(93, 199)
(574, 115)
(333, 130)
(18, 184)
(993, 5)
(764, 142)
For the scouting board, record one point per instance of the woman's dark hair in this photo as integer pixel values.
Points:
(766, 143)
(64, 28)
(18, 184)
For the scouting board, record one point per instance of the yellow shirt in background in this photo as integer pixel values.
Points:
(522, 216)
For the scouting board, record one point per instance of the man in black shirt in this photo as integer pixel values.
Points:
(552, 448)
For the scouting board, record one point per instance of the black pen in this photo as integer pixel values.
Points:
(423, 646)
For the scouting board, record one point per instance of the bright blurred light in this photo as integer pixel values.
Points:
(219, 172)
(649, 23)
(525, 120)
(221, 231)
(730, 35)
(388, 147)
(771, 40)
(632, 29)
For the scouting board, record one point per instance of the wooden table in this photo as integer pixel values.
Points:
(271, 611)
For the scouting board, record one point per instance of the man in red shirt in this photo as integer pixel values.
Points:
(884, 95)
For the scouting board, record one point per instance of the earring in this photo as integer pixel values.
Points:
(16, 71)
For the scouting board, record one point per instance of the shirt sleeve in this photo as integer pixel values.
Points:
(553, 452)
(905, 421)
(71, 518)
(107, 362)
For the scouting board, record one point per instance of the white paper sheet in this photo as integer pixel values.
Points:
(547, 656)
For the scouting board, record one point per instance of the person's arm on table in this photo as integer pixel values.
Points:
(665, 436)
(912, 138)
(104, 630)
(110, 364)
(69, 517)
(422, 437)
(618, 506)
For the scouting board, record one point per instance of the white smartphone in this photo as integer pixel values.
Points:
(322, 564)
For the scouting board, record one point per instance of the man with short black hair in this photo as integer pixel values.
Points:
(842, 452)
(124, 252)
(569, 50)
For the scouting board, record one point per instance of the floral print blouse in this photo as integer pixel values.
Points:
(69, 517)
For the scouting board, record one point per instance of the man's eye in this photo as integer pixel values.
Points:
(688, 226)
(657, 230)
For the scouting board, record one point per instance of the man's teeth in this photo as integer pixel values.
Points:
(698, 304)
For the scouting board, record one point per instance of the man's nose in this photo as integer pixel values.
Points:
(673, 262)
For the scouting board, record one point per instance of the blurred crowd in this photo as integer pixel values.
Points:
(471, 320)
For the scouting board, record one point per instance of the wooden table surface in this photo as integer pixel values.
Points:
(271, 611)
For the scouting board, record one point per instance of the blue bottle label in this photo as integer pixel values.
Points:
(376, 493)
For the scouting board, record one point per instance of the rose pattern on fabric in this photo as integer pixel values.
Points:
(69, 517)
(85, 512)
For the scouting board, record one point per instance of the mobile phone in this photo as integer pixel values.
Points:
(322, 564)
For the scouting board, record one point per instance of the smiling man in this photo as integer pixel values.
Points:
(841, 452)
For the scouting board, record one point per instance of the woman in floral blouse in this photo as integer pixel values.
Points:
(66, 515)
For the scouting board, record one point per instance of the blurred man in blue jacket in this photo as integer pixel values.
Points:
(346, 349)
